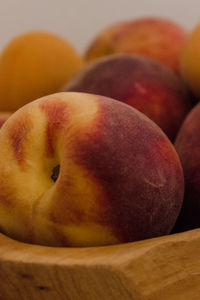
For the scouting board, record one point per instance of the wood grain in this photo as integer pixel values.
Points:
(165, 268)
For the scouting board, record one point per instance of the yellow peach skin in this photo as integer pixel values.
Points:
(75, 172)
(190, 61)
(33, 65)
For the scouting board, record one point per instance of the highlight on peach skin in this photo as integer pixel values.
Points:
(33, 65)
(93, 176)
(141, 82)
(157, 38)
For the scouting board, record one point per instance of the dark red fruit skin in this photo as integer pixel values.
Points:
(139, 170)
(141, 82)
(187, 145)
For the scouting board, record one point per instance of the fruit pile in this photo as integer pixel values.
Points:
(102, 148)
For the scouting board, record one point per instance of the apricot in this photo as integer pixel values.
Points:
(156, 38)
(190, 61)
(32, 65)
(141, 82)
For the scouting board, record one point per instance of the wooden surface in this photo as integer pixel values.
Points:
(166, 268)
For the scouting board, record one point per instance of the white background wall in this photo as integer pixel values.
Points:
(80, 20)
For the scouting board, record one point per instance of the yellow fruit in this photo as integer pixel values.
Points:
(35, 64)
(190, 61)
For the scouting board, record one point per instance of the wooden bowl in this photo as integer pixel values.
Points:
(165, 268)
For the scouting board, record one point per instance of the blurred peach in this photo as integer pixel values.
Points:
(157, 38)
(187, 145)
(190, 61)
(32, 65)
(141, 82)
(4, 115)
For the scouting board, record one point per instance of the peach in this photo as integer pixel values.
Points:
(143, 83)
(187, 145)
(4, 115)
(33, 65)
(156, 38)
(190, 61)
(83, 170)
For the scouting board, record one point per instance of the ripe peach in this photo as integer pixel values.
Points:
(140, 82)
(33, 65)
(82, 170)
(187, 145)
(157, 38)
(4, 115)
(190, 61)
